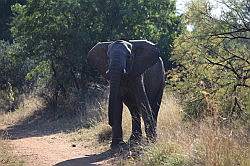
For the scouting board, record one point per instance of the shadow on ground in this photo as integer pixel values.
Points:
(45, 122)
(88, 160)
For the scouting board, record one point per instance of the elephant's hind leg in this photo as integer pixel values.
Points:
(155, 104)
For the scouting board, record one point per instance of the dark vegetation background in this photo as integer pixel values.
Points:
(44, 44)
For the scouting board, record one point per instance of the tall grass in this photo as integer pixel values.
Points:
(182, 142)
(29, 105)
(203, 142)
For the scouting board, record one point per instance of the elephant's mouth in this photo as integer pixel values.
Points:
(124, 75)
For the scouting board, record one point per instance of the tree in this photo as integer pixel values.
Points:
(62, 32)
(57, 35)
(12, 74)
(5, 18)
(214, 60)
(141, 19)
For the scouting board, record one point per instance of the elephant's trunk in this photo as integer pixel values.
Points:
(115, 102)
(115, 73)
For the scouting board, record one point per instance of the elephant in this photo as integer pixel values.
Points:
(136, 76)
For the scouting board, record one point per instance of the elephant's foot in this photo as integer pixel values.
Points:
(118, 146)
(151, 138)
(151, 134)
(135, 140)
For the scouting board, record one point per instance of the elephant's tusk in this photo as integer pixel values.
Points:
(108, 74)
(124, 71)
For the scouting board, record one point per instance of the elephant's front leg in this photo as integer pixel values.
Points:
(115, 111)
(145, 108)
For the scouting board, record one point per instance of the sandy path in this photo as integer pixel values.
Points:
(40, 139)
(55, 150)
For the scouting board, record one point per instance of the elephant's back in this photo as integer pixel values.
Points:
(154, 79)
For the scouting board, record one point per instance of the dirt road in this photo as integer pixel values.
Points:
(40, 138)
(56, 150)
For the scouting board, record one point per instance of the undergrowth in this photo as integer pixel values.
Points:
(205, 142)
(199, 142)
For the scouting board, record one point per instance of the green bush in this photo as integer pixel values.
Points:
(213, 56)
(167, 154)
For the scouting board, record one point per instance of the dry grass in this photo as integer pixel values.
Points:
(185, 142)
(196, 143)
(179, 143)
(27, 108)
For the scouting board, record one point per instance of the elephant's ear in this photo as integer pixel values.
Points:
(145, 53)
(97, 57)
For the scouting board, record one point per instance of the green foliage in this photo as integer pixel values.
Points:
(41, 72)
(141, 19)
(51, 36)
(11, 66)
(12, 73)
(5, 18)
(57, 35)
(214, 57)
(164, 154)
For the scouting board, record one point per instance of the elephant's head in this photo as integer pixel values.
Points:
(132, 57)
(114, 59)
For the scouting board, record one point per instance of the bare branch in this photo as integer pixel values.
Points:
(234, 55)
(232, 33)
(231, 68)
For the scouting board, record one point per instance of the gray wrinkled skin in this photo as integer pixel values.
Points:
(136, 75)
